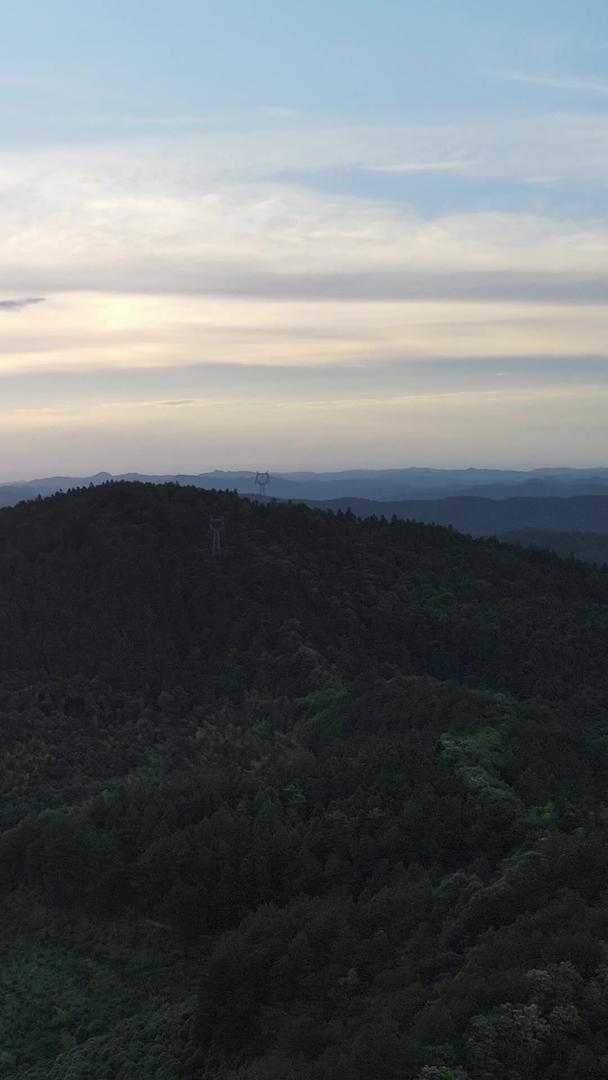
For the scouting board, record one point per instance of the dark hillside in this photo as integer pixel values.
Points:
(489, 516)
(331, 808)
(117, 582)
(588, 546)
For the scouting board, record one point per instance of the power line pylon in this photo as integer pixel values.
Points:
(217, 532)
(262, 479)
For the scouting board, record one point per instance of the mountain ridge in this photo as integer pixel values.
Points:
(330, 807)
(380, 485)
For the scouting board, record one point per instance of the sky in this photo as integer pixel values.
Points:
(277, 234)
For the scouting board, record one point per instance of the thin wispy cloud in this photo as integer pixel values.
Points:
(165, 121)
(407, 167)
(557, 82)
(20, 304)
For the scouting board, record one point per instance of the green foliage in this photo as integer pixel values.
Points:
(332, 808)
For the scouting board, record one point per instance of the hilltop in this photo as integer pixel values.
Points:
(329, 808)
(481, 502)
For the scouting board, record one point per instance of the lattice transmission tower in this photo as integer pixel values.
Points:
(217, 532)
(262, 480)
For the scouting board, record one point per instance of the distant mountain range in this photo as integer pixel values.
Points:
(565, 510)
(384, 485)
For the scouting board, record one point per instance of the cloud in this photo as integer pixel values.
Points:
(159, 254)
(405, 168)
(166, 121)
(18, 305)
(434, 428)
(556, 82)
(195, 216)
(110, 332)
(390, 286)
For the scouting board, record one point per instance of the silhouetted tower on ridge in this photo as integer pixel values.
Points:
(217, 531)
(262, 480)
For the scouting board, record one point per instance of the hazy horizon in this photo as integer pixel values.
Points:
(323, 236)
(196, 469)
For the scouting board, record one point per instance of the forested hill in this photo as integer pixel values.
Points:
(330, 808)
(589, 546)
(489, 516)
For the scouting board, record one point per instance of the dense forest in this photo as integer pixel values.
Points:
(495, 516)
(588, 546)
(330, 807)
